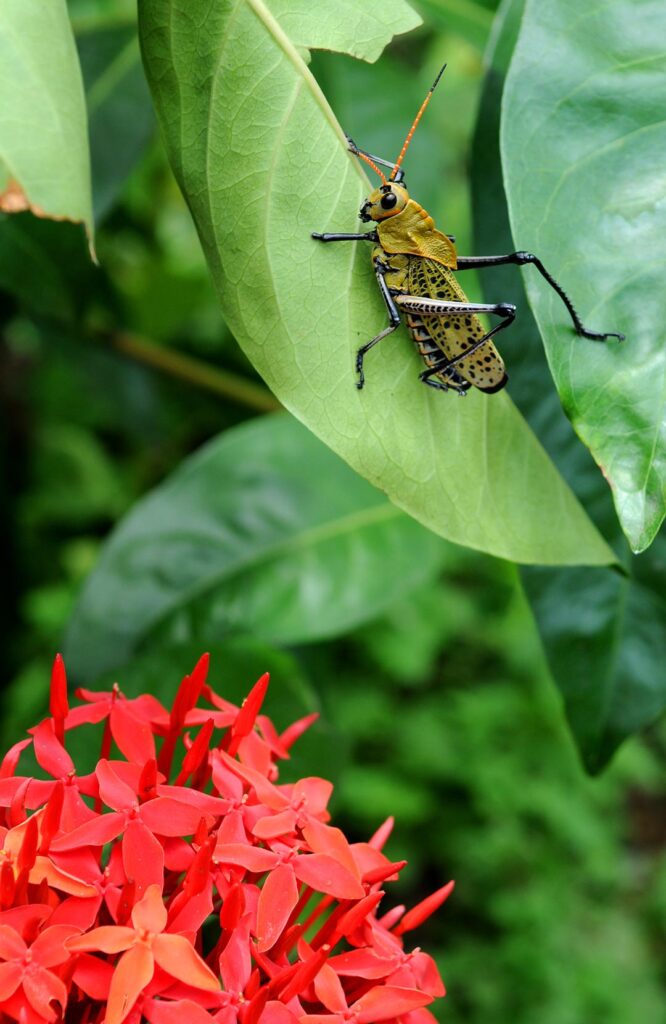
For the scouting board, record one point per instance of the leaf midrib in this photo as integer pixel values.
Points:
(348, 524)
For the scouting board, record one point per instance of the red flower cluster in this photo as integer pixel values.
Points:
(220, 896)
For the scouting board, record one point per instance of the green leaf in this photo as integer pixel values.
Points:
(347, 26)
(263, 532)
(120, 112)
(45, 265)
(44, 159)
(263, 163)
(605, 638)
(604, 635)
(583, 135)
(29, 267)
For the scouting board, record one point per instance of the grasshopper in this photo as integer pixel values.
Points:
(414, 264)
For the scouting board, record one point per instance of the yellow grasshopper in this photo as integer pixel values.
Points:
(414, 264)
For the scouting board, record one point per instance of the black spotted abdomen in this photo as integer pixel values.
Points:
(432, 354)
(450, 335)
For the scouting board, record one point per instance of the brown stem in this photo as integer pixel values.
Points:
(220, 382)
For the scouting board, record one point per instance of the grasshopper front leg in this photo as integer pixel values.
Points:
(394, 320)
(345, 236)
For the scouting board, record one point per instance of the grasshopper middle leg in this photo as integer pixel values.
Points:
(520, 259)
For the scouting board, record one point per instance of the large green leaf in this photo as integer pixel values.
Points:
(604, 635)
(44, 161)
(263, 163)
(583, 138)
(264, 532)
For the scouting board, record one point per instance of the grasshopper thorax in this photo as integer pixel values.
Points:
(387, 200)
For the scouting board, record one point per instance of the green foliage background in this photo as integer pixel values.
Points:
(435, 698)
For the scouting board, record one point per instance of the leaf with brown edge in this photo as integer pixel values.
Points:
(44, 159)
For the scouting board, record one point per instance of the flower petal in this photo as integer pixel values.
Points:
(41, 988)
(49, 948)
(194, 912)
(133, 736)
(12, 945)
(114, 792)
(273, 825)
(59, 879)
(177, 957)
(143, 857)
(93, 976)
(150, 914)
(327, 875)
(167, 817)
(10, 979)
(97, 832)
(327, 839)
(277, 899)
(133, 973)
(50, 753)
(363, 963)
(235, 959)
(110, 938)
(388, 1002)
(268, 794)
(275, 1012)
(254, 858)
(162, 1012)
(329, 990)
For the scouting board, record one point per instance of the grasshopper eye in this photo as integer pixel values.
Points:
(388, 201)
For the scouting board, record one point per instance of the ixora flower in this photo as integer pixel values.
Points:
(221, 895)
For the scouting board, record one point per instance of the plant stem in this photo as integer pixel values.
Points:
(220, 382)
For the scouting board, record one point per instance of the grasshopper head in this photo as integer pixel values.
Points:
(385, 201)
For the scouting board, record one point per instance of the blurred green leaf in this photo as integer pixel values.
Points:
(29, 253)
(583, 136)
(471, 20)
(73, 480)
(604, 635)
(46, 267)
(120, 113)
(248, 131)
(44, 158)
(263, 532)
(407, 640)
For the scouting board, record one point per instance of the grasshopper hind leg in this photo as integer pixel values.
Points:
(457, 383)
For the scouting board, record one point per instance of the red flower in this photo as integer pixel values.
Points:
(147, 944)
(25, 975)
(178, 882)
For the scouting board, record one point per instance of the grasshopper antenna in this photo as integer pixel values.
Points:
(415, 122)
(353, 148)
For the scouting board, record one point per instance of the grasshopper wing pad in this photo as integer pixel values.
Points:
(452, 333)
